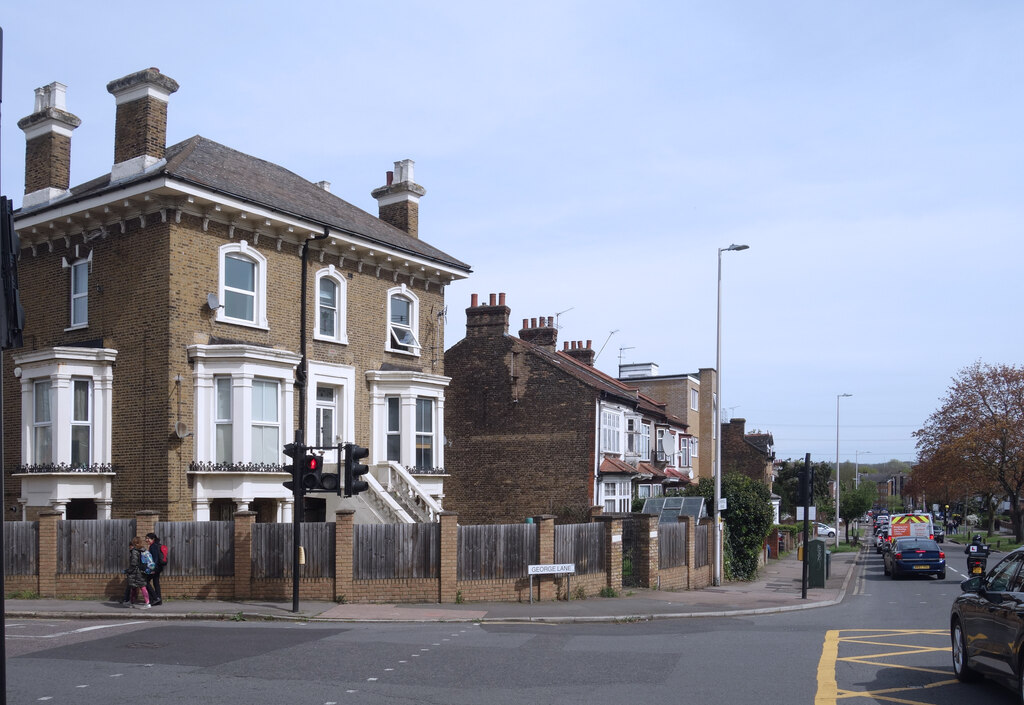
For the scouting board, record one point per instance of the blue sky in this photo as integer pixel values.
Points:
(591, 158)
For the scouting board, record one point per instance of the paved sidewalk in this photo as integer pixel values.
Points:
(777, 589)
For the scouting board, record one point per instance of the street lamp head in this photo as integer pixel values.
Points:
(735, 248)
(840, 396)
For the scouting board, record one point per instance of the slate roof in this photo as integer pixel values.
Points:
(213, 166)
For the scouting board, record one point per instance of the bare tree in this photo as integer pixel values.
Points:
(979, 428)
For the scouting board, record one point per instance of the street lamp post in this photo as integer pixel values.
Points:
(856, 466)
(838, 397)
(717, 572)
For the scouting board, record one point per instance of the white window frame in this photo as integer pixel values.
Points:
(395, 329)
(42, 421)
(425, 437)
(695, 400)
(62, 367)
(393, 421)
(645, 441)
(616, 494)
(84, 423)
(266, 442)
(407, 386)
(242, 364)
(611, 431)
(222, 419)
(242, 250)
(340, 332)
(694, 447)
(342, 379)
(80, 283)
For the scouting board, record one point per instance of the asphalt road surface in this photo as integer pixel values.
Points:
(887, 642)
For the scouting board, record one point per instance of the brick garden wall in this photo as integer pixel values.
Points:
(342, 587)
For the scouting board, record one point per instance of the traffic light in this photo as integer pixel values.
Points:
(314, 479)
(354, 469)
(295, 451)
(803, 495)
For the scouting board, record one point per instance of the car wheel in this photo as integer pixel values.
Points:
(963, 671)
(942, 575)
(831, 534)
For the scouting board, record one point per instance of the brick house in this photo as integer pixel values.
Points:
(690, 396)
(166, 356)
(752, 454)
(535, 430)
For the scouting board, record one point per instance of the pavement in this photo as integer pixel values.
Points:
(777, 589)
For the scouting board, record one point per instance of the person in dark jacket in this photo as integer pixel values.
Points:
(153, 579)
(136, 576)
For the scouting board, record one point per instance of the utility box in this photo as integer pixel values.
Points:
(817, 563)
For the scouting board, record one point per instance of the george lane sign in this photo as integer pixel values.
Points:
(551, 568)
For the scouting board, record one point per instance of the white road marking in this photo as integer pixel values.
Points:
(74, 631)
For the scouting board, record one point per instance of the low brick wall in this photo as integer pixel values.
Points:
(343, 587)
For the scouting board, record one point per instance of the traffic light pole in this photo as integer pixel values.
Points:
(808, 500)
(297, 516)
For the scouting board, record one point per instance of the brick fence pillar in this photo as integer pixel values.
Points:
(648, 559)
(243, 554)
(545, 555)
(612, 551)
(145, 522)
(343, 540)
(48, 552)
(448, 584)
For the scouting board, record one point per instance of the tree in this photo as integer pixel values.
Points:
(980, 426)
(854, 502)
(748, 519)
(787, 486)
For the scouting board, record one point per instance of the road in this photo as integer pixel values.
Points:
(887, 642)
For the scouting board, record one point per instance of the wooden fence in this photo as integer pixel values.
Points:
(582, 545)
(88, 547)
(21, 548)
(496, 551)
(671, 545)
(389, 551)
(272, 550)
(701, 546)
(197, 547)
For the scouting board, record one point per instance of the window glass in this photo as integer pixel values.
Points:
(80, 293)
(645, 441)
(424, 433)
(328, 307)
(266, 446)
(400, 332)
(80, 423)
(42, 440)
(1002, 575)
(239, 288)
(325, 412)
(394, 432)
(223, 420)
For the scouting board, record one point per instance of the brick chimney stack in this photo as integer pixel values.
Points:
(489, 319)
(398, 202)
(48, 146)
(140, 128)
(540, 332)
(580, 352)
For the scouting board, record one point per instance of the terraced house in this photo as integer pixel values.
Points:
(191, 309)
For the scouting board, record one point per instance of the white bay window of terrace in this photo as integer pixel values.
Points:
(265, 423)
(616, 496)
(424, 459)
(611, 432)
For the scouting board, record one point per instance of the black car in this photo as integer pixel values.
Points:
(987, 625)
(914, 556)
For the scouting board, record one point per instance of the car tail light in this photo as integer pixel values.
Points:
(898, 556)
(942, 554)
(931, 536)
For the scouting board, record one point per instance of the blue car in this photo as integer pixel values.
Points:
(915, 556)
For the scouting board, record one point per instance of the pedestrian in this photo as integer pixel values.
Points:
(159, 553)
(136, 577)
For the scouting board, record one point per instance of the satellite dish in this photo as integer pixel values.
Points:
(212, 302)
(181, 430)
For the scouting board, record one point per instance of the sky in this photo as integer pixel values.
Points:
(589, 160)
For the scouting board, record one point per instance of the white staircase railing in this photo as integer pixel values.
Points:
(402, 483)
(382, 504)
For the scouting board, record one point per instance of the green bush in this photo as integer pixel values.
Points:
(748, 521)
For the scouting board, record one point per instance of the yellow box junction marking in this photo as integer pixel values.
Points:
(829, 693)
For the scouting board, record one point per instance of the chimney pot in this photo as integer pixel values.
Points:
(533, 323)
(494, 300)
(551, 321)
(565, 346)
(501, 298)
(526, 323)
(390, 178)
(588, 344)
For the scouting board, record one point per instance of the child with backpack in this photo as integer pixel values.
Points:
(136, 573)
(159, 553)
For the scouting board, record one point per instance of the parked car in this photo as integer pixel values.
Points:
(826, 530)
(986, 625)
(914, 556)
